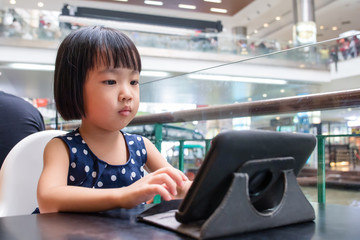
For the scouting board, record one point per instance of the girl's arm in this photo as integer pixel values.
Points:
(54, 195)
(156, 161)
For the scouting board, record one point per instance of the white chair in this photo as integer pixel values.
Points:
(20, 173)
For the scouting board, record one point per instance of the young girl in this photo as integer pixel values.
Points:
(98, 167)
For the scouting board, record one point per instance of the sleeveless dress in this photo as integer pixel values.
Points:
(87, 170)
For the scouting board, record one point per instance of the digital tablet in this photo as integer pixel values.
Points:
(232, 150)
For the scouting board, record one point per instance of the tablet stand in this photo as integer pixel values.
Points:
(237, 215)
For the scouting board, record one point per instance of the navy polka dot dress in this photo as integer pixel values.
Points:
(87, 170)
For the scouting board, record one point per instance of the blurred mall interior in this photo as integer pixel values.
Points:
(203, 53)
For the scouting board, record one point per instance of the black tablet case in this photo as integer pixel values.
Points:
(251, 173)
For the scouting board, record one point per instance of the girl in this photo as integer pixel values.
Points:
(98, 167)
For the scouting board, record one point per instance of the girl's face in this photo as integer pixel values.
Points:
(111, 97)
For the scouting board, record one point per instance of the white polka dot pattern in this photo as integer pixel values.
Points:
(113, 178)
(89, 171)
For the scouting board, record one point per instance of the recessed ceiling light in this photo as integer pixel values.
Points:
(322, 27)
(13, 2)
(266, 25)
(264, 95)
(121, 0)
(218, 10)
(255, 31)
(278, 18)
(154, 74)
(158, 3)
(186, 6)
(31, 66)
(334, 28)
(40, 4)
(213, 1)
(226, 78)
(282, 90)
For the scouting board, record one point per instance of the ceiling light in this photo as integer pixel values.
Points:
(218, 10)
(255, 31)
(31, 66)
(154, 74)
(13, 2)
(236, 79)
(249, 99)
(334, 28)
(266, 25)
(278, 18)
(282, 90)
(322, 27)
(40, 4)
(158, 3)
(213, 1)
(121, 0)
(186, 6)
(264, 95)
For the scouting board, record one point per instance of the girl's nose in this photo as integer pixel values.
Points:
(125, 94)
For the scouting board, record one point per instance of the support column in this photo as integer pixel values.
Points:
(240, 39)
(304, 29)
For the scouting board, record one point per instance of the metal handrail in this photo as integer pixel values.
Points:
(312, 102)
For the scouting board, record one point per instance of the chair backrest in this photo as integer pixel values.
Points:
(20, 173)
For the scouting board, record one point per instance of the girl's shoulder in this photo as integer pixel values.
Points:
(73, 136)
(132, 137)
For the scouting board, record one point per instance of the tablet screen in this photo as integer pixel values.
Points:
(229, 151)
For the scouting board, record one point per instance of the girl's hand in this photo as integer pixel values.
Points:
(166, 182)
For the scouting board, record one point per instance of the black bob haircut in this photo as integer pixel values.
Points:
(81, 51)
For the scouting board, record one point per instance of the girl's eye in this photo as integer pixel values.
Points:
(134, 82)
(110, 82)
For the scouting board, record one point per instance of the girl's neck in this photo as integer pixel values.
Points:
(95, 133)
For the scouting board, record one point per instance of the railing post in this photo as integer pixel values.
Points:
(158, 141)
(321, 169)
(158, 136)
(181, 155)
(207, 145)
